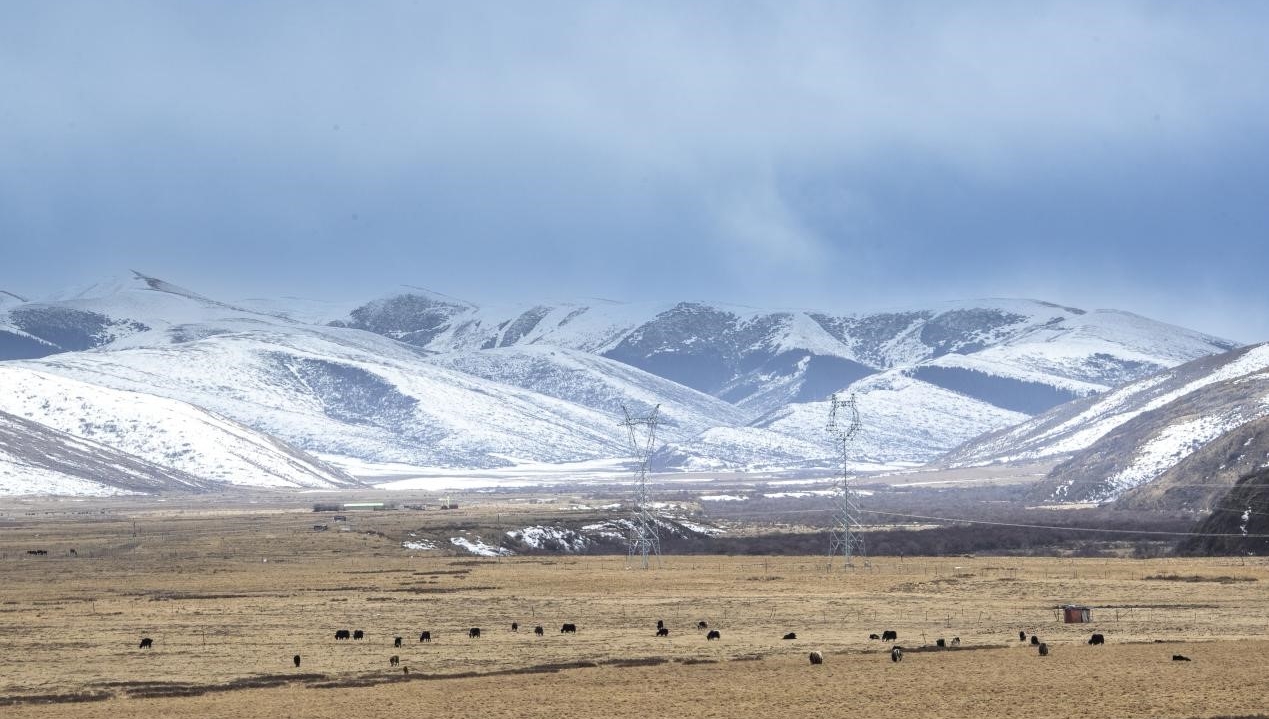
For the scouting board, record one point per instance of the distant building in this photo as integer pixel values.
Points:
(366, 506)
(1076, 614)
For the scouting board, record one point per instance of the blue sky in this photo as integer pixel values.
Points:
(818, 154)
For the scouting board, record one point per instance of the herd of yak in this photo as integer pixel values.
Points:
(889, 635)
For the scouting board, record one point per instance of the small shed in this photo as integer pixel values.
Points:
(1076, 614)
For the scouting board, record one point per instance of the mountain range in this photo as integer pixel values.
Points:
(284, 392)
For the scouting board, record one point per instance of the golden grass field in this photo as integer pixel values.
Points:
(226, 623)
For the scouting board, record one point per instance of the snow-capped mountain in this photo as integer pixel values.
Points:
(427, 380)
(161, 431)
(1167, 425)
(951, 372)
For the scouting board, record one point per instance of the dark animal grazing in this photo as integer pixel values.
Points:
(538, 630)
(663, 632)
(515, 626)
(394, 660)
(1180, 658)
(890, 635)
(956, 641)
(817, 658)
(146, 643)
(702, 625)
(791, 635)
(358, 634)
(896, 654)
(473, 633)
(1044, 649)
(1035, 641)
(425, 637)
(72, 553)
(1022, 636)
(1097, 639)
(296, 659)
(396, 642)
(660, 624)
(874, 636)
(37, 551)
(713, 634)
(941, 643)
(342, 634)
(569, 628)
(405, 670)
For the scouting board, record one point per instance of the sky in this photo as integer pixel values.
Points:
(845, 156)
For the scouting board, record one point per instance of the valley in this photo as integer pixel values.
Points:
(230, 588)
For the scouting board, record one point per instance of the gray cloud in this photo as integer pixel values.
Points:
(829, 154)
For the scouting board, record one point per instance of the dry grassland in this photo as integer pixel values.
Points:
(226, 623)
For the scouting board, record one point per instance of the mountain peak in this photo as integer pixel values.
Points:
(111, 286)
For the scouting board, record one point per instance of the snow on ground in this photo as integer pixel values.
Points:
(555, 538)
(422, 545)
(479, 548)
(723, 498)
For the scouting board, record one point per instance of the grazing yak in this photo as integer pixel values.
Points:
(790, 635)
(896, 654)
(394, 660)
(663, 632)
(396, 642)
(660, 624)
(515, 626)
(817, 658)
(568, 628)
(702, 625)
(1044, 649)
(890, 635)
(296, 659)
(1097, 639)
(941, 643)
(1035, 641)
(713, 634)
(425, 636)
(538, 630)
(473, 633)
(342, 634)
(874, 636)
(1022, 636)
(146, 643)
(358, 634)
(956, 641)
(1180, 658)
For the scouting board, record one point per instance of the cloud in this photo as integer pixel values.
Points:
(767, 147)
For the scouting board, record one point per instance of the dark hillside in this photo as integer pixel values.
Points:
(1239, 524)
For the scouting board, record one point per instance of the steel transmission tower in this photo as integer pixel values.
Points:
(846, 539)
(643, 532)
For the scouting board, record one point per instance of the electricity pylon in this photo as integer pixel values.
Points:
(846, 538)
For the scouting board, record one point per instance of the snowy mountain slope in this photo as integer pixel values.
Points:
(1199, 480)
(1034, 354)
(903, 419)
(162, 431)
(1074, 427)
(1201, 437)
(330, 396)
(35, 459)
(597, 383)
(423, 379)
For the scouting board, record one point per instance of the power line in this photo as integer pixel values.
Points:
(961, 520)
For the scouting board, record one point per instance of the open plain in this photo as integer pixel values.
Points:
(231, 591)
